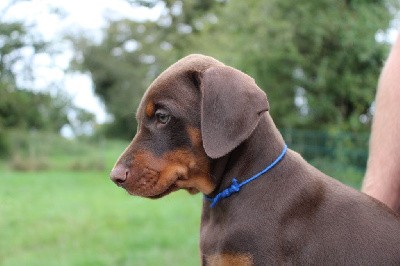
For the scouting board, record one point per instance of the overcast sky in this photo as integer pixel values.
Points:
(88, 16)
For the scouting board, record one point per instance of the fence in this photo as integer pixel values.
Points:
(340, 154)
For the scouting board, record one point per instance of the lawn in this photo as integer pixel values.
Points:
(65, 217)
(71, 213)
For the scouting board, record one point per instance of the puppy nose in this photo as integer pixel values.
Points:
(119, 174)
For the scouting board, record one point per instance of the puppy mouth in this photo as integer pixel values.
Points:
(170, 189)
(154, 184)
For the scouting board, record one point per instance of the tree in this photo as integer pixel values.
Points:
(319, 61)
(13, 39)
(22, 108)
(133, 53)
(121, 67)
(25, 109)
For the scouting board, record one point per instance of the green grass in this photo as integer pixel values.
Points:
(61, 217)
(64, 217)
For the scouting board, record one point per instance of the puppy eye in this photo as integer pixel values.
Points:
(162, 117)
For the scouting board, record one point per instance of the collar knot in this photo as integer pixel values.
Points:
(235, 186)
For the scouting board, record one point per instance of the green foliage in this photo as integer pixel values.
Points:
(39, 150)
(20, 107)
(118, 71)
(318, 61)
(347, 174)
(132, 54)
(32, 110)
(342, 155)
(15, 38)
(345, 148)
(339, 58)
(17, 41)
(4, 143)
(325, 51)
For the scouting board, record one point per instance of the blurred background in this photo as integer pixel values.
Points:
(73, 72)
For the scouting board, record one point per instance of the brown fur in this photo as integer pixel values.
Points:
(220, 129)
(153, 176)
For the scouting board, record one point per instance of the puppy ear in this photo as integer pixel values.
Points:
(231, 107)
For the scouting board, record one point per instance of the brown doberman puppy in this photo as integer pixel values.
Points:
(204, 127)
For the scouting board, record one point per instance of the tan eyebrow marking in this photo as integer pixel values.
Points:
(150, 109)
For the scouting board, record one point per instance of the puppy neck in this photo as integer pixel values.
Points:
(262, 147)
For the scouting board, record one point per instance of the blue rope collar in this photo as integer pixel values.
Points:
(235, 187)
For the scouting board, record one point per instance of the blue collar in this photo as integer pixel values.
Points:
(235, 187)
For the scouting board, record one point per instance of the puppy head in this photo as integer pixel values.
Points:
(196, 111)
